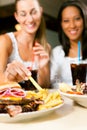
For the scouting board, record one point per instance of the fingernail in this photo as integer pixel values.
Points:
(29, 74)
(26, 78)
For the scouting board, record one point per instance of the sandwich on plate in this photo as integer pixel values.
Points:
(14, 100)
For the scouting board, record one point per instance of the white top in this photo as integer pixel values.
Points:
(60, 67)
(15, 53)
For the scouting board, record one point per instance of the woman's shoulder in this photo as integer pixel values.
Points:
(58, 49)
(4, 38)
(5, 42)
(57, 56)
(57, 52)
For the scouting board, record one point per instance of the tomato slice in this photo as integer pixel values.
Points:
(15, 92)
(74, 92)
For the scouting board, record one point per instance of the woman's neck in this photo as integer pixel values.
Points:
(73, 52)
(25, 44)
(26, 39)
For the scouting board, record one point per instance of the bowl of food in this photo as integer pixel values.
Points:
(78, 93)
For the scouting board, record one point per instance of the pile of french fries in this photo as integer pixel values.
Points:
(51, 99)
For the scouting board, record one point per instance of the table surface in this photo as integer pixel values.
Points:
(70, 116)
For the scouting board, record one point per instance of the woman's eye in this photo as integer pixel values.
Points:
(33, 12)
(65, 21)
(78, 18)
(23, 14)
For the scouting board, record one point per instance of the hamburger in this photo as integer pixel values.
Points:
(9, 85)
(13, 99)
(11, 92)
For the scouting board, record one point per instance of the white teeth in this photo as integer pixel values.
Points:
(31, 25)
(73, 32)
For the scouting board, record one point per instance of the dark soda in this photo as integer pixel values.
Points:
(27, 85)
(78, 73)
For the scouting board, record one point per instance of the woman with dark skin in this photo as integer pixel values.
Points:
(72, 28)
(22, 48)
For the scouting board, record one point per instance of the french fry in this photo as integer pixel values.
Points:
(35, 83)
(30, 94)
(51, 99)
(42, 94)
(50, 104)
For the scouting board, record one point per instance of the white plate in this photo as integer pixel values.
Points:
(80, 99)
(27, 115)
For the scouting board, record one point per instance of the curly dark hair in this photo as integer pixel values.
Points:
(64, 41)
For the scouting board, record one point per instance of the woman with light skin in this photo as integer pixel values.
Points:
(72, 28)
(21, 48)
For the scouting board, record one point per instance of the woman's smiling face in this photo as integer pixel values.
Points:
(72, 23)
(29, 15)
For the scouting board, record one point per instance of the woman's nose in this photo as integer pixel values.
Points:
(29, 18)
(72, 24)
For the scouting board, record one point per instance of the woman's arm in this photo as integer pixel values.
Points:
(14, 71)
(44, 65)
(5, 50)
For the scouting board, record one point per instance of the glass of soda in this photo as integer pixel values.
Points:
(78, 72)
(33, 67)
